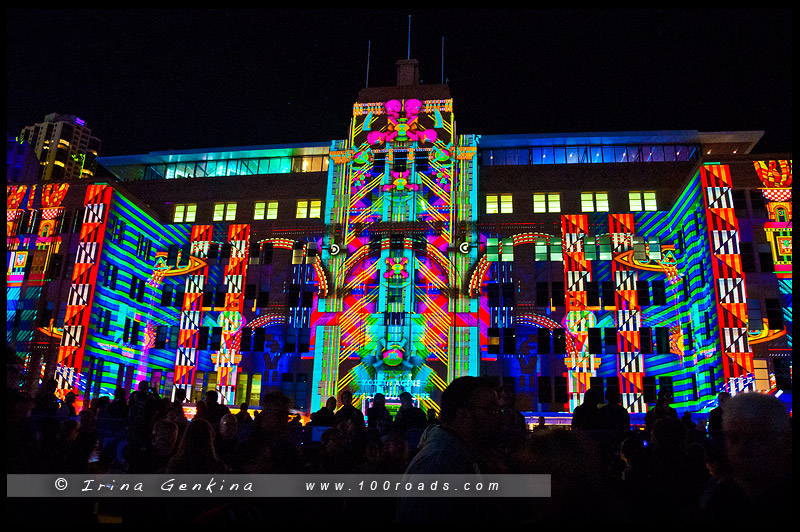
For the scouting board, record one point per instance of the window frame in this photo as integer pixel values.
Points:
(642, 201)
(308, 208)
(188, 213)
(551, 202)
(597, 200)
(224, 211)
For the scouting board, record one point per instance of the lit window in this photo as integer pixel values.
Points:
(308, 208)
(642, 201)
(224, 211)
(650, 201)
(184, 213)
(506, 204)
(635, 201)
(491, 204)
(594, 201)
(547, 202)
(314, 209)
(272, 210)
(266, 210)
(258, 212)
(302, 209)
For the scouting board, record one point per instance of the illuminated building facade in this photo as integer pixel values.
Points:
(407, 254)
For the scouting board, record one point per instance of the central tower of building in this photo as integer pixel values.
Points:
(397, 314)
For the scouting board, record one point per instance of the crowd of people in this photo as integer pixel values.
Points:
(602, 469)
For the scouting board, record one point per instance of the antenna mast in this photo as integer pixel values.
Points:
(408, 54)
(369, 46)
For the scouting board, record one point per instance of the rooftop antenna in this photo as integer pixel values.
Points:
(369, 46)
(409, 38)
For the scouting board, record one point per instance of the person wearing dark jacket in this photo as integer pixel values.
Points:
(409, 416)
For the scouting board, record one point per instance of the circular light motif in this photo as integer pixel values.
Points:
(393, 357)
(580, 320)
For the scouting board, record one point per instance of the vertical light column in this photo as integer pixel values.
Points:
(84, 276)
(192, 311)
(627, 315)
(729, 282)
(577, 272)
(227, 359)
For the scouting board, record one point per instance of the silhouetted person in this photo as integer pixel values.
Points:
(137, 400)
(513, 420)
(617, 416)
(196, 453)
(662, 409)
(324, 417)
(348, 411)
(177, 416)
(336, 456)
(47, 402)
(83, 442)
(433, 419)
(758, 448)
(714, 427)
(470, 420)
(395, 454)
(271, 439)
(100, 405)
(677, 479)
(243, 417)
(226, 442)
(540, 424)
(200, 410)
(378, 416)
(409, 416)
(587, 415)
(215, 410)
(156, 454)
(118, 409)
(67, 407)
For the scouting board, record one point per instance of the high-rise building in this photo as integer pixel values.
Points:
(64, 146)
(406, 254)
(22, 166)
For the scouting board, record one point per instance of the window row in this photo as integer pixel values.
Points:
(172, 295)
(587, 154)
(598, 293)
(593, 248)
(262, 210)
(550, 202)
(234, 167)
(653, 340)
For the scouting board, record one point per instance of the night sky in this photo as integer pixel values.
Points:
(152, 80)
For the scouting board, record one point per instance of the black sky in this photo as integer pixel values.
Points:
(150, 80)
